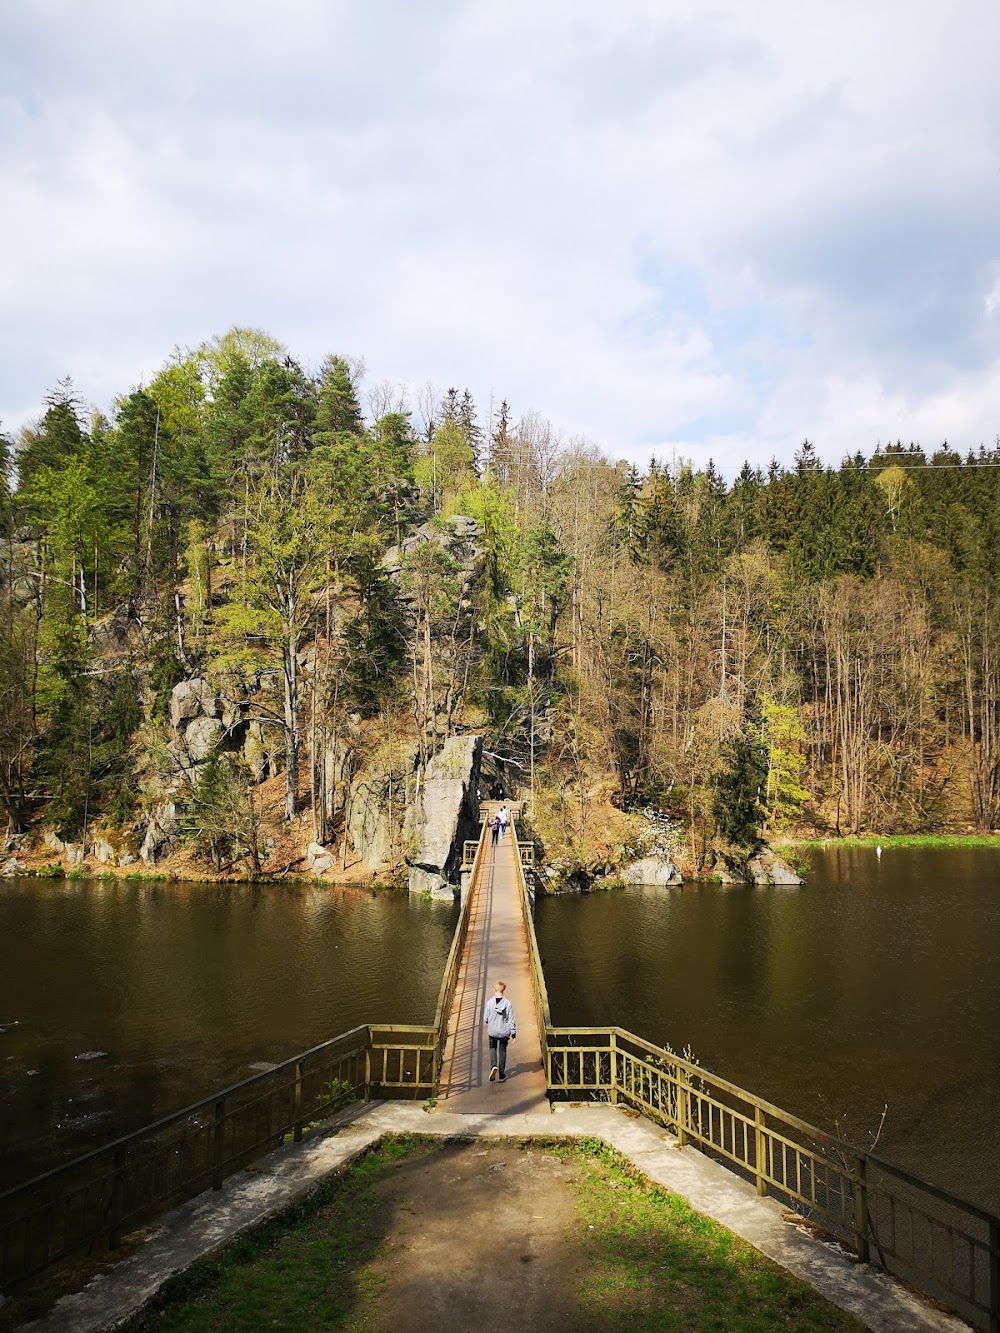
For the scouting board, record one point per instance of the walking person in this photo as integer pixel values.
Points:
(500, 1028)
(494, 829)
(503, 815)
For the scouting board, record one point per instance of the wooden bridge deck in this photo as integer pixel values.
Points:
(496, 948)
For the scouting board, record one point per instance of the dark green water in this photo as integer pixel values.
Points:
(120, 1002)
(877, 982)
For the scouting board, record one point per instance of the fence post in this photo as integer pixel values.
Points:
(760, 1150)
(614, 1068)
(117, 1199)
(995, 1277)
(217, 1142)
(297, 1135)
(682, 1106)
(861, 1209)
(368, 1073)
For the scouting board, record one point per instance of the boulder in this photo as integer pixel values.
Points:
(74, 853)
(445, 813)
(13, 867)
(160, 833)
(767, 868)
(727, 874)
(103, 851)
(319, 859)
(657, 869)
(191, 699)
(202, 736)
(376, 808)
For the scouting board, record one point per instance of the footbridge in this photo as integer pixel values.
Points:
(941, 1244)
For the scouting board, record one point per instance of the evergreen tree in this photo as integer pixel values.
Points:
(738, 807)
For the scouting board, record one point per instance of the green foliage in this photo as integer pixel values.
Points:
(375, 639)
(739, 791)
(223, 817)
(783, 739)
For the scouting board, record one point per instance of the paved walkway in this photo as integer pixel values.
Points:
(496, 948)
(215, 1219)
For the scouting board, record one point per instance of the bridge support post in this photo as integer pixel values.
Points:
(861, 1209)
(613, 1071)
(995, 1277)
(682, 1106)
(219, 1126)
(297, 1112)
(760, 1150)
(117, 1199)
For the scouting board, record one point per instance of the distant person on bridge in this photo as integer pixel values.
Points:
(500, 1028)
(503, 816)
(494, 829)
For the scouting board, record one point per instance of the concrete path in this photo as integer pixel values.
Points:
(496, 948)
(215, 1219)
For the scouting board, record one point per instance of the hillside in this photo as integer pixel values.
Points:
(241, 615)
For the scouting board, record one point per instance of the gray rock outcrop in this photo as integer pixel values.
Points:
(767, 868)
(374, 801)
(191, 699)
(202, 736)
(319, 859)
(161, 831)
(445, 813)
(657, 870)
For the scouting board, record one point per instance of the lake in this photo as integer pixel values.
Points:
(876, 983)
(121, 1001)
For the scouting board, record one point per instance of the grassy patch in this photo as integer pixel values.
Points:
(653, 1263)
(897, 840)
(305, 1270)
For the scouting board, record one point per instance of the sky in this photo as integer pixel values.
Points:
(674, 229)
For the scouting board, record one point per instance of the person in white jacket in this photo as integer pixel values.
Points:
(500, 1028)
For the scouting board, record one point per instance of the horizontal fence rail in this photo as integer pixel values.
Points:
(538, 986)
(947, 1247)
(86, 1207)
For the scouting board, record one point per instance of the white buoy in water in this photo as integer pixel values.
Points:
(878, 851)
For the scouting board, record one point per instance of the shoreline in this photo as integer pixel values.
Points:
(890, 840)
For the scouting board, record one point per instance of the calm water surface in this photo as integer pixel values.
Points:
(120, 1002)
(877, 982)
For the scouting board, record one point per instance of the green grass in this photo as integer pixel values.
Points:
(641, 1260)
(653, 1263)
(305, 1270)
(897, 840)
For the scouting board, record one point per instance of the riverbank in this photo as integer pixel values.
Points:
(37, 862)
(873, 840)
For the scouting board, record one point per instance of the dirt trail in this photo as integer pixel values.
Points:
(477, 1240)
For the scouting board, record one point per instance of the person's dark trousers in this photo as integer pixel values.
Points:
(498, 1054)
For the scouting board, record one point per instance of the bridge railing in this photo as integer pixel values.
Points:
(87, 1206)
(925, 1235)
(449, 981)
(538, 986)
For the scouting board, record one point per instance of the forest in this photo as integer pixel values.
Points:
(808, 649)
